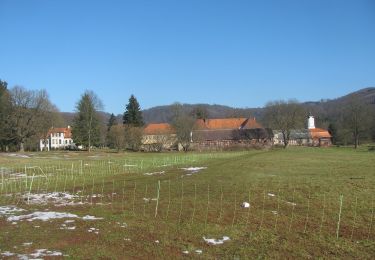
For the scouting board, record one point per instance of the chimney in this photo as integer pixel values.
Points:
(311, 123)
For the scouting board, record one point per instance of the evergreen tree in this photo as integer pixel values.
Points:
(110, 137)
(86, 124)
(133, 114)
(332, 129)
(111, 122)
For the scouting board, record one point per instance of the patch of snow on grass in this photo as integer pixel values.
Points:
(154, 173)
(58, 198)
(48, 215)
(88, 217)
(213, 241)
(44, 252)
(291, 203)
(271, 194)
(44, 216)
(7, 253)
(93, 230)
(193, 169)
(9, 210)
(199, 251)
(245, 205)
(185, 252)
(38, 254)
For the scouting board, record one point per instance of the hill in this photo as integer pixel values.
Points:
(323, 109)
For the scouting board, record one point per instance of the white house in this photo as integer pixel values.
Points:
(57, 138)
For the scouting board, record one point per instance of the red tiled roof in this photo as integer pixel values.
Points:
(157, 129)
(226, 123)
(319, 133)
(251, 123)
(67, 131)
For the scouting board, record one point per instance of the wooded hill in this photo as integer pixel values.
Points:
(324, 110)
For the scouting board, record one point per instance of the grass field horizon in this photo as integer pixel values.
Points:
(304, 203)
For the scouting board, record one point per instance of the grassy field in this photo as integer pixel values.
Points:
(304, 203)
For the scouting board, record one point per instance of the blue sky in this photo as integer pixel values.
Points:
(237, 53)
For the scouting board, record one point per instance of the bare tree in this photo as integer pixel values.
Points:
(133, 137)
(284, 116)
(357, 119)
(30, 114)
(116, 136)
(183, 124)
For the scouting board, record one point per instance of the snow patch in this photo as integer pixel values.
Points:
(213, 241)
(38, 254)
(48, 215)
(154, 173)
(271, 194)
(88, 217)
(58, 198)
(245, 205)
(193, 169)
(44, 216)
(93, 230)
(9, 210)
(199, 251)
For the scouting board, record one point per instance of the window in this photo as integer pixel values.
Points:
(66, 141)
(59, 141)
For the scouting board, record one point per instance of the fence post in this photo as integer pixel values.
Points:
(157, 199)
(338, 222)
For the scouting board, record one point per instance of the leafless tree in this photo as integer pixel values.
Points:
(133, 137)
(357, 119)
(284, 116)
(30, 115)
(116, 136)
(183, 124)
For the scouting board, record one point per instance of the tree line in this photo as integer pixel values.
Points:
(26, 116)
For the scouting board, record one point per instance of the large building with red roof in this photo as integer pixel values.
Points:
(311, 136)
(210, 134)
(57, 138)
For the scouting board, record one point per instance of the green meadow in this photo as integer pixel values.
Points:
(302, 203)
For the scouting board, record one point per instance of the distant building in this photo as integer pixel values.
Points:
(230, 133)
(158, 137)
(57, 138)
(311, 136)
(210, 134)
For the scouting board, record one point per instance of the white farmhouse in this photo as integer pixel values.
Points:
(57, 138)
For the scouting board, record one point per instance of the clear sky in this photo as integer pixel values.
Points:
(237, 53)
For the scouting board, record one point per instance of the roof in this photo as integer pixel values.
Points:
(66, 130)
(158, 129)
(226, 123)
(319, 133)
(251, 123)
